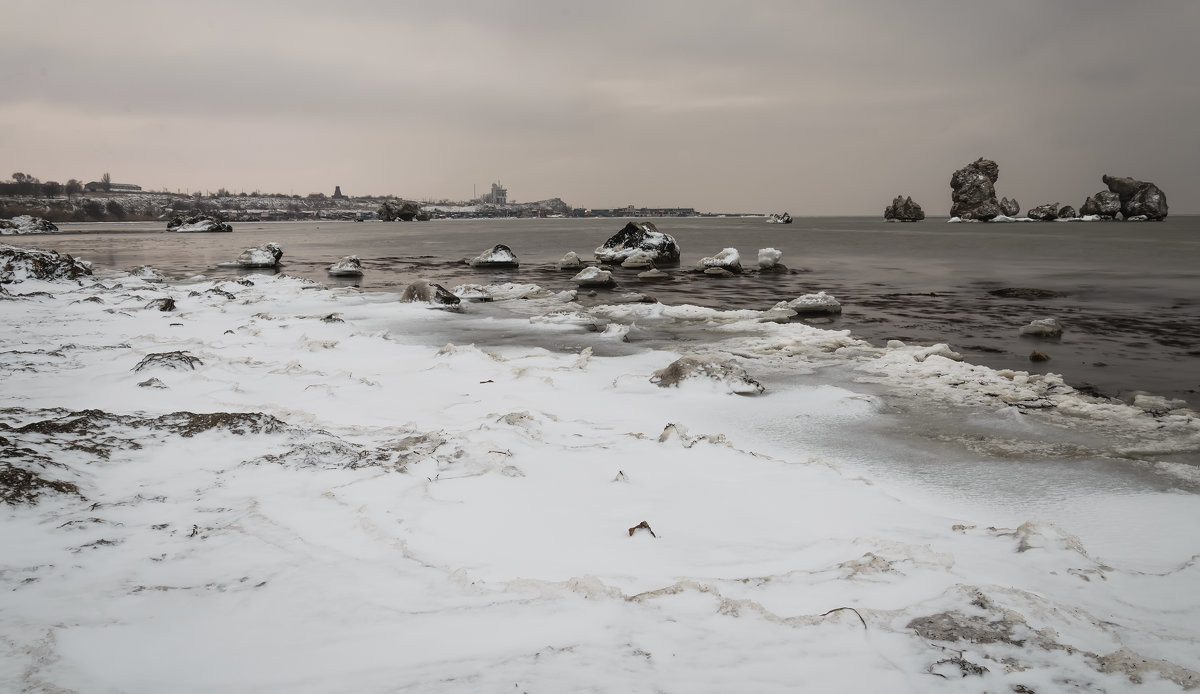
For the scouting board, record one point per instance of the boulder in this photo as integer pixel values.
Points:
(197, 224)
(594, 277)
(1106, 204)
(498, 256)
(1044, 213)
(726, 259)
(17, 264)
(25, 224)
(1045, 327)
(638, 260)
(570, 261)
(1009, 208)
(728, 375)
(903, 209)
(349, 266)
(973, 191)
(266, 255)
(639, 236)
(1067, 212)
(428, 293)
(1138, 198)
(819, 304)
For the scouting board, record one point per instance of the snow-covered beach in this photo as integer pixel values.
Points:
(317, 489)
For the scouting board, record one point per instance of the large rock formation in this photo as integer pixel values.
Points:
(197, 224)
(903, 209)
(1044, 213)
(1105, 204)
(639, 236)
(974, 191)
(393, 210)
(25, 224)
(1138, 198)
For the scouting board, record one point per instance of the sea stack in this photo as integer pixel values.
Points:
(973, 191)
(1138, 198)
(903, 209)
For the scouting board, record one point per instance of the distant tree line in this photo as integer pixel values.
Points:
(24, 184)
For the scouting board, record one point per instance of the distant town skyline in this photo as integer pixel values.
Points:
(813, 108)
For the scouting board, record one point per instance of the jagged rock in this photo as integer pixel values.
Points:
(570, 261)
(903, 209)
(639, 236)
(197, 224)
(1045, 327)
(498, 256)
(18, 264)
(1044, 213)
(727, 373)
(1106, 204)
(726, 259)
(266, 255)
(784, 218)
(638, 259)
(349, 266)
(1067, 212)
(1009, 208)
(26, 224)
(429, 293)
(1138, 198)
(974, 192)
(594, 277)
(392, 210)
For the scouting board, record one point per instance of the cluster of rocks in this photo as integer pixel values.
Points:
(903, 209)
(26, 224)
(973, 197)
(403, 211)
(197, 224)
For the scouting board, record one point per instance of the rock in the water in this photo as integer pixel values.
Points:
(726, 259)
(18, 264)
(1067, 212)
(1044, 213)
(594, 277)
(197, 224)
(1036, 355)
(498, 256)
(973, 191)
(472, 292)
(1045, 327)
(718, 272)
(1009, 208)
(768, 258)
(726, 373)
(429, 293)
(1105, 204)
(638, 259)
(570, 261)
(640, 236)
(654, 275)
(393, 210)
(349, 266)
(1138, 198)
(266, 255)
(26, 224)
(903, 209)
(819, 304)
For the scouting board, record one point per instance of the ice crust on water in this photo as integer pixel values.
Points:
(349, 505)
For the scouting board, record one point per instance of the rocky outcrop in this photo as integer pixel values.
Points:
(197, 224)
(18, 264)
(727, 259)
(430, 293)
(639, 236)
(349, 266)
(498, 256)
(25, 224)
(973, 191)
(1105, 204)
(399, 210)
(903, 209)
(266, 255)
(1044, 213)
(1009, 208)
(1067, 212)
(1138, 198)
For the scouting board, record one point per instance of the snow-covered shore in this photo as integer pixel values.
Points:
(310, 490)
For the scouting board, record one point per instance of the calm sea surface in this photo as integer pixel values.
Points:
(1128, 293)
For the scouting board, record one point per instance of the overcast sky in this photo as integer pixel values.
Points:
(810, 107)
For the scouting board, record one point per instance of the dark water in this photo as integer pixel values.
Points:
(1128, 294)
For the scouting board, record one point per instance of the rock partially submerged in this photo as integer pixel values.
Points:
(1105, 204)
(349, 266)
(18, 264)
(265, 256)
(727, 259)
(1045, 327)
(570, 261)
(819, 304)
(726, 373)
(430, 293)
(903, 209)
(638, 260)
(401, 210)
(639, 236)
(197, 224)
(974, 191)
(498, 256)
(594, 277)
(26, 224)
(1138, 198)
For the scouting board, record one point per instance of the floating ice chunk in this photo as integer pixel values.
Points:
(266, 255)
(768, 257)
(594, 277)
(1045, 327)
(819, 304)
(349, 266)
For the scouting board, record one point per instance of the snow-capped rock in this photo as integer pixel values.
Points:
(26, 224)
(594, 277)
(496, 256)
(639, 236)
(349, 266)
(726, 259)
